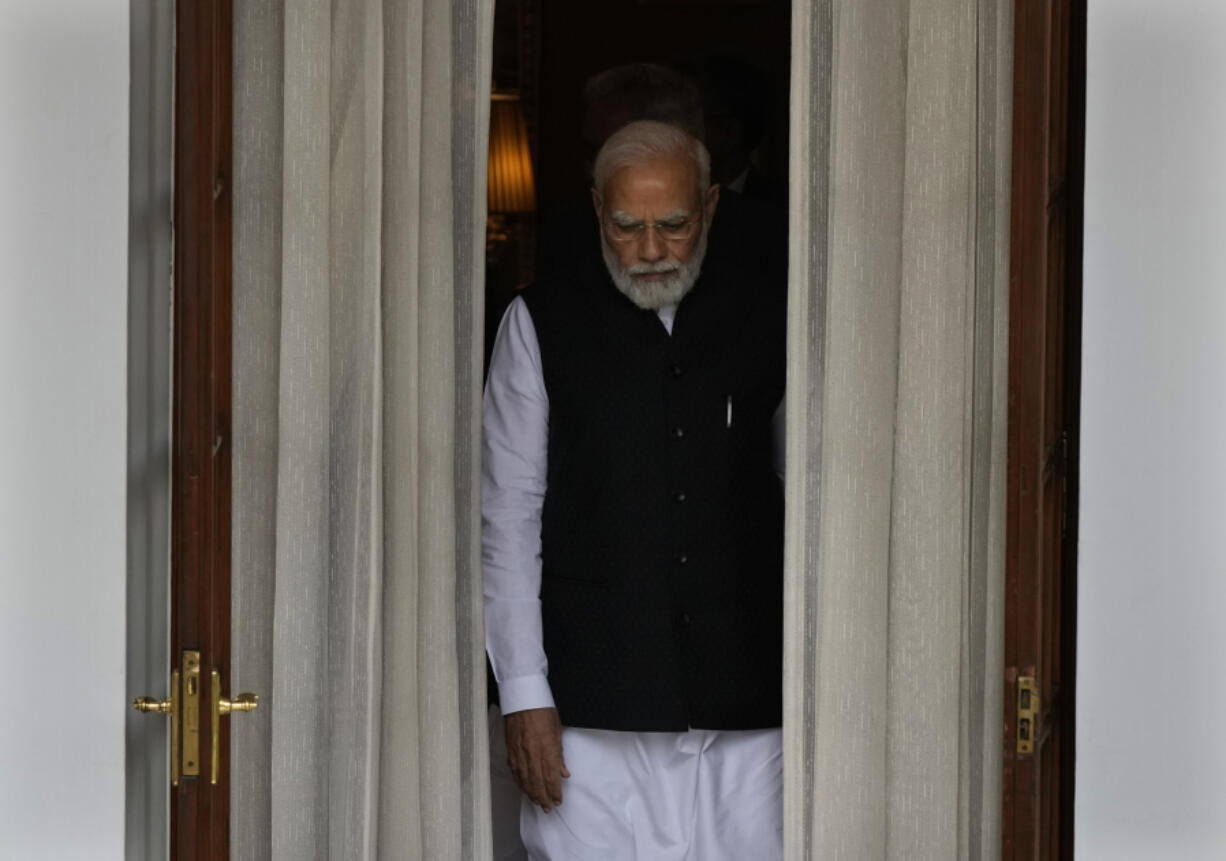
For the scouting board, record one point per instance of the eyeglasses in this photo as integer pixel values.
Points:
(669, 230)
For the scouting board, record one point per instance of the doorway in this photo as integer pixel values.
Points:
(570, 75)
(205, 248)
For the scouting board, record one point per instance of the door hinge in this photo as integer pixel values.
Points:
(1027, 714)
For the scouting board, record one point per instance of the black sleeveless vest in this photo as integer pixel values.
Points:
(662, 529)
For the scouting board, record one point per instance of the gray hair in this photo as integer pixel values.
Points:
(645, 141)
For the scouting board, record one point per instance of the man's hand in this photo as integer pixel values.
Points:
(534, 753)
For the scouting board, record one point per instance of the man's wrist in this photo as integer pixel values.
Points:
(524, 692)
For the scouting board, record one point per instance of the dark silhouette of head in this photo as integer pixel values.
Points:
(734, 113)
(624, 94)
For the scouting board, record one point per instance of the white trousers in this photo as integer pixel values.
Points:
(702, 795)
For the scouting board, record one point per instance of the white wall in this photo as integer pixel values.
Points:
(63, 312)
(1151, 751)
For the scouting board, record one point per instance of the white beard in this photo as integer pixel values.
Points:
(653, 295)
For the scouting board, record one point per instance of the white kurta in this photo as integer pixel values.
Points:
(675, 802)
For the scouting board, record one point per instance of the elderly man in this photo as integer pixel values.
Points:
(633, 531)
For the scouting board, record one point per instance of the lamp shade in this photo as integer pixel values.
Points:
(510, 166)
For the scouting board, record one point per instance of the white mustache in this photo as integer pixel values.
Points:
(651, 268)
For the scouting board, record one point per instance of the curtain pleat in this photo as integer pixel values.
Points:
(896, 416)
(358, 264)
(257, 158)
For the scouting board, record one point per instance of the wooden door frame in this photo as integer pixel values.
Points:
(1030, 152)
(201, 442)
(200, 432)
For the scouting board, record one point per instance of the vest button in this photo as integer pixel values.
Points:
(675, 370)
(682, 559)
(679, 496)
(685, 620)
(678, 433)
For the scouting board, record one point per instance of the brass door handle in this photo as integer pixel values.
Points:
(149, 704)
(169, 706)
(223, 706)
(183, 708)
(241, 703)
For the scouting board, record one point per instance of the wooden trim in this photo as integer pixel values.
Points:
(200, 459)
(1027, 250)
(1044, 399)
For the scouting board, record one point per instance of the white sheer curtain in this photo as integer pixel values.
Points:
(896, 437)
(359, 153)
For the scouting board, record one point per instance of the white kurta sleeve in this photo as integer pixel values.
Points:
(779, 438)
(513, 478)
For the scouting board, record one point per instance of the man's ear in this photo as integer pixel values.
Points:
(596, 203)
(712, 202)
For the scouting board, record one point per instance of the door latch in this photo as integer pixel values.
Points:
(183, 709)
(1027, 714)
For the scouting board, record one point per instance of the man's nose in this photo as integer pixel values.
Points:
(651, 247)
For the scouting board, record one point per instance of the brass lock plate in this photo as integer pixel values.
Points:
(190, 705)
(1027, 714)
